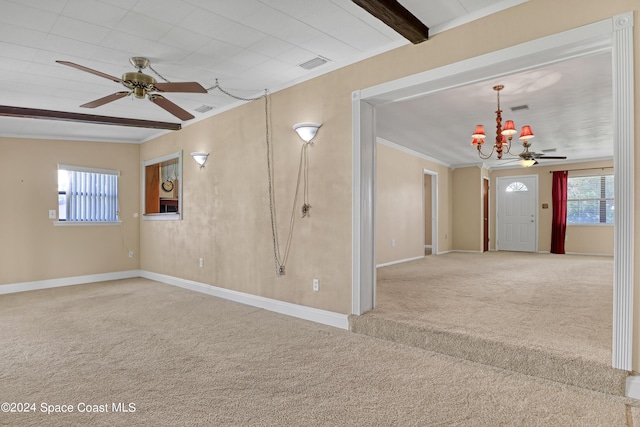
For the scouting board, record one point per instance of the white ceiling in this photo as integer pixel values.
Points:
(253, 45)
(570, 110)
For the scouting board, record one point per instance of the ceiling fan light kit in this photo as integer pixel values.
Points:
(142, 85)
(504, 135)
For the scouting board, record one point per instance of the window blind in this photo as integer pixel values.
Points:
(92, 196)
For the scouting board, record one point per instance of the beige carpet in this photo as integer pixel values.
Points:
(540, 314)
(185, 358)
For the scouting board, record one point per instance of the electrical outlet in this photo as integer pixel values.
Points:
(393, 242)
(52, 214)
(201, 262)
(316, 285)
(130, 254)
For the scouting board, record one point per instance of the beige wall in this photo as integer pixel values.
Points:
(580, 239)
(399, 210)
(467, 209)
(399, 205)
(226, 205)
(32, 248)
(594, 239)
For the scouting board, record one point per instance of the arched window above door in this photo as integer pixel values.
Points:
(516, 186)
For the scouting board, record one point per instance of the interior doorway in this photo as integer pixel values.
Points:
(485, 214)
(430, 209)
(614, 34)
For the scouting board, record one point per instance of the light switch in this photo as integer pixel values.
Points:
(52, 214)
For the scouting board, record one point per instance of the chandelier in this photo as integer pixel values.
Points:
(503, 135)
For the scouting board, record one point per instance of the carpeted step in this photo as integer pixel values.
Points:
(536, 362)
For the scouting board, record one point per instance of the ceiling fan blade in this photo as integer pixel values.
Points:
(552, 157)
(172, 108)
(105, 100)
(192, 87)
(89, 70)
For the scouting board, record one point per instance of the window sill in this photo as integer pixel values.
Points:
(84, 223)
(590, 224)
(172, 216)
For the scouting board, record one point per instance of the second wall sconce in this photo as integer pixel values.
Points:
(307, 131)
(200, 158)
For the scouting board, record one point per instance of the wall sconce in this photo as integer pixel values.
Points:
(200, 158)
(306, 131)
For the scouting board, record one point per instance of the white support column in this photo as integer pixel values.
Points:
(622, 57)
(363, 241)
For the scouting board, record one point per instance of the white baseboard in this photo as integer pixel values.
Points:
(633, 387)
(398, 261)
(325, 317)
(66, 281)
(582, 253)
(300, 311)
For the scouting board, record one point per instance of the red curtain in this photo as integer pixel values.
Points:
(559, 220)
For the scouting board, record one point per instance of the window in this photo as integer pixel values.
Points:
(516, 186)
(87, 195)
(162, 187)
(590, 200)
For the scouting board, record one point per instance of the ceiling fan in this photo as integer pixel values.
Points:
(530, 158)
(141, 85)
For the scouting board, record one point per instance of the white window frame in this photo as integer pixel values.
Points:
(87, 169)
(173, 216)
(590, 224)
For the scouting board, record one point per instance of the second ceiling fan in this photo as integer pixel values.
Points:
(142, 85)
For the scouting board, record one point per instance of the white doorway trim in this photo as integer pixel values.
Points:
(487, 180)
(615, 35)
(434, 209)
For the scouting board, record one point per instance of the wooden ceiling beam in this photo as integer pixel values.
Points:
(35, 113)
(397, 17)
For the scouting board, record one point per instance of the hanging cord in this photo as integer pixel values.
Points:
(292, 219)
(280, 261)
(303, 172)
(215, 86)
(306, 207)
(280, 268)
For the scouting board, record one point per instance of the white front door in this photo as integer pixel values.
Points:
(517, 222)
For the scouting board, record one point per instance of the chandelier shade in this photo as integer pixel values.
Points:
(479, 132)
(527, 133)
(509, 128)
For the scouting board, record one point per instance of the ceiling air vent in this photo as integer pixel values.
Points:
(520, 107)
(204, 109)
(313, 63)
